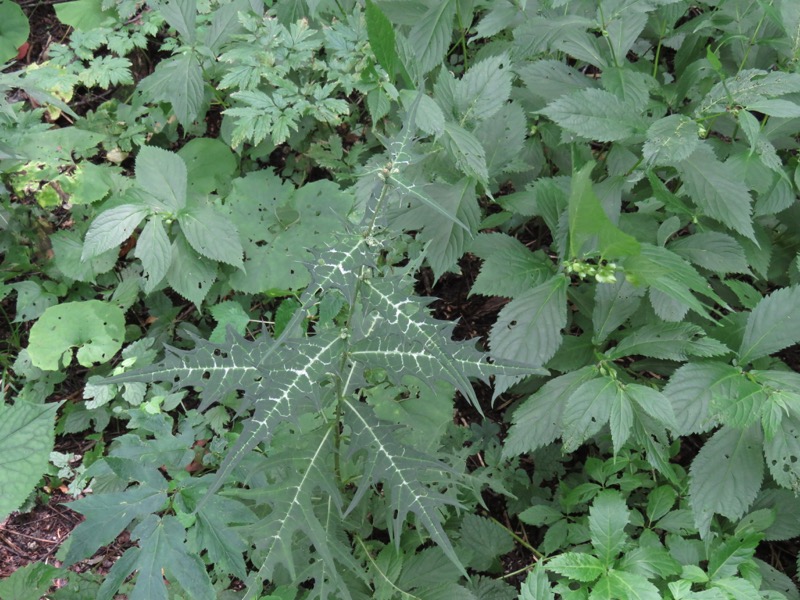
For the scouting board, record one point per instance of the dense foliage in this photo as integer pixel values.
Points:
(214, 218)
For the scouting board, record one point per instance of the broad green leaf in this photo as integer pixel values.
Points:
(190, 274)
(536, 586)
(596, 115)
(428, 115)
(211, 234)
(660, 501)
(26, 441)
(484, 540)
(528, 329)
(382, 40)
(484, 89)
(712, 250)
(691, 390)
(588, 220)
(68, 248)
(726, 475)
(622, 585)
(30, 582)
(224, 24)
(111, 228)
(154, 250)
(670, 140)
(587, 410)
(107, 515)
(96, 328)
(503, 140)
(747, 87)
(620, 421)
(210, 164)
(537, 421)
(651, 561)
(163, 175)
(717, 189)
(577, 566)
(772, 325)
(608, 516)
(510, 268)
(181, 15)
(14, 29)
(466, 150)
(613, 304)
(550, 79)
(654, 403)
(783, 453)
(430, 36)
(32, 300)
(228, 314)
(179, 81)
(669, 341)
(84, 15)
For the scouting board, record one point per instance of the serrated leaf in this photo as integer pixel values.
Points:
(190, 274)
(596, 115)
(181, 15)
(587, 410)
(163, 174)
(691, 390)
(428, 115)
(466, 150)
(68, 248)
(26, 441)
(96, 328)
(430, 36)
(613, 304)
(32, 581)
(670, 140)
(608, 516)
(528, 329)
(484, 89)
(211, 234)
(660, 501)
(718, 190)
(772, 325)
(654, 403)
(669, 341)
(228, 314)
(625, 586)
(537, 421)
(551, 79)
(588, 220)
(536, 586)
(210, 163)
(712, 250)
(111, 228)
(382, 40)
(399, 469)
(107, 515)
(485, 540)
(577, 566)
(783, 453)
(154, 250)
(179, 81)
(510, 268)
(726, 475)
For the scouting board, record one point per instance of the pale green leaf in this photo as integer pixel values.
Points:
(783, 453)
(181, 15)
(84, 15)
(163, 174)
(712, 250)
(577, 566)
(596, 115)
(613, 304)
(190, 274)
(14, 29)
(669, 341)
(537, 421)
(551, 79)
(622, 585)
(536, 586)
(773, 325)
(660, 501)
(68, 248)
(153, 249)
(111, 228)
(608, 516)
(210, 164)
(691, 390)
(431, 35)
(179, 81)
(484, 89)
(670, 140)
(428, 115)
(211, 234)
(726, 475)
(96, 328)
(528, 329)
(228, 314)
(587, 410)
(510, 268)
(382, 39)
(26, 441)
(466, 150)
(654, 403)
(717, 189)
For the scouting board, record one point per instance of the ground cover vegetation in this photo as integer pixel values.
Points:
(221, 222)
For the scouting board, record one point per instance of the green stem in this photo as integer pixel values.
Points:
(521, 541)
